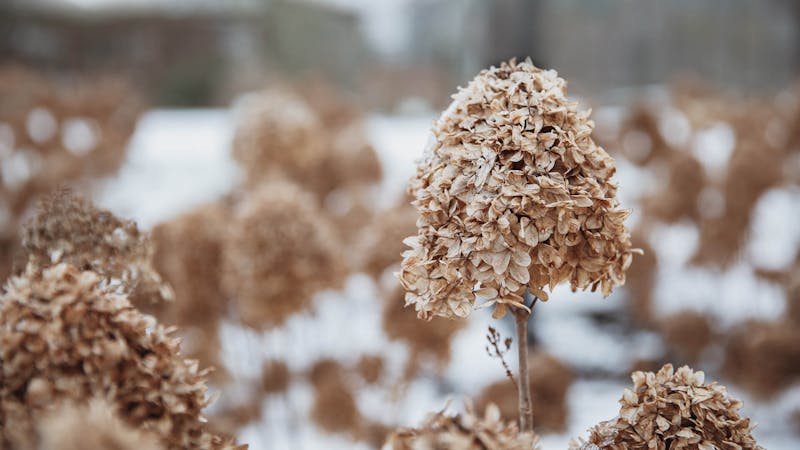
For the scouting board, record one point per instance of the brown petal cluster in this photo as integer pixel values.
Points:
(65, 338)
(278, 132)
(279, 252)
(550, 380)
(466, 431)
(95, 426)
(513, 194)
(70, 229)
(673, 409)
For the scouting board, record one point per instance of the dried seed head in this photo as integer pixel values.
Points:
(673, 409)
(95, 426)
(70, 229)
(465, 431)
(279, 252)
(64, 338)
(513, 194)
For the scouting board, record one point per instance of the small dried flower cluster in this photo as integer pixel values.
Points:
(64, 338)
(550, 380)
(673, 409)
(279, 252)
(71, 230)
(275, 377)
(94, 426)
(466, 431)
(513, 194)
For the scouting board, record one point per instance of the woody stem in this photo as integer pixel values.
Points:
(523, 386)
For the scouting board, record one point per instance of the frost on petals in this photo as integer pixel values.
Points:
(513, 194)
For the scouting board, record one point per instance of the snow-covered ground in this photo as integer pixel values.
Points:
(180, 158)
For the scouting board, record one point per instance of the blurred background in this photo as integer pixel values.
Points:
(200, 119)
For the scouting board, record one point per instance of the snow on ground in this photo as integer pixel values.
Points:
(179, 159)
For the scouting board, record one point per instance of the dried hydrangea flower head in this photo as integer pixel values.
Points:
(63, 337)
(70, 229)
(513, 194)
(95, 426)
(673, 409)
(279, 252)
(188, 255)
(466, 431)
(278, 131)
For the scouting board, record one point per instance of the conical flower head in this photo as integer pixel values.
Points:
(513, 194)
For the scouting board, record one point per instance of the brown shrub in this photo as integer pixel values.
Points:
(279, 252)
(679, 197)
(549, 379)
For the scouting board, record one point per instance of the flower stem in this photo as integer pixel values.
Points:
(523, 386)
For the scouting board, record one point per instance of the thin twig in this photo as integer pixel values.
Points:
(525, 403)
(495, 350)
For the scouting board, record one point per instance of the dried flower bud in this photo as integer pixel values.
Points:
(513, 194)
(69, 229)
(280, 251)
(64, 338)
(465, 431)
(370, 368)
(673, 409)
(95, 426)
